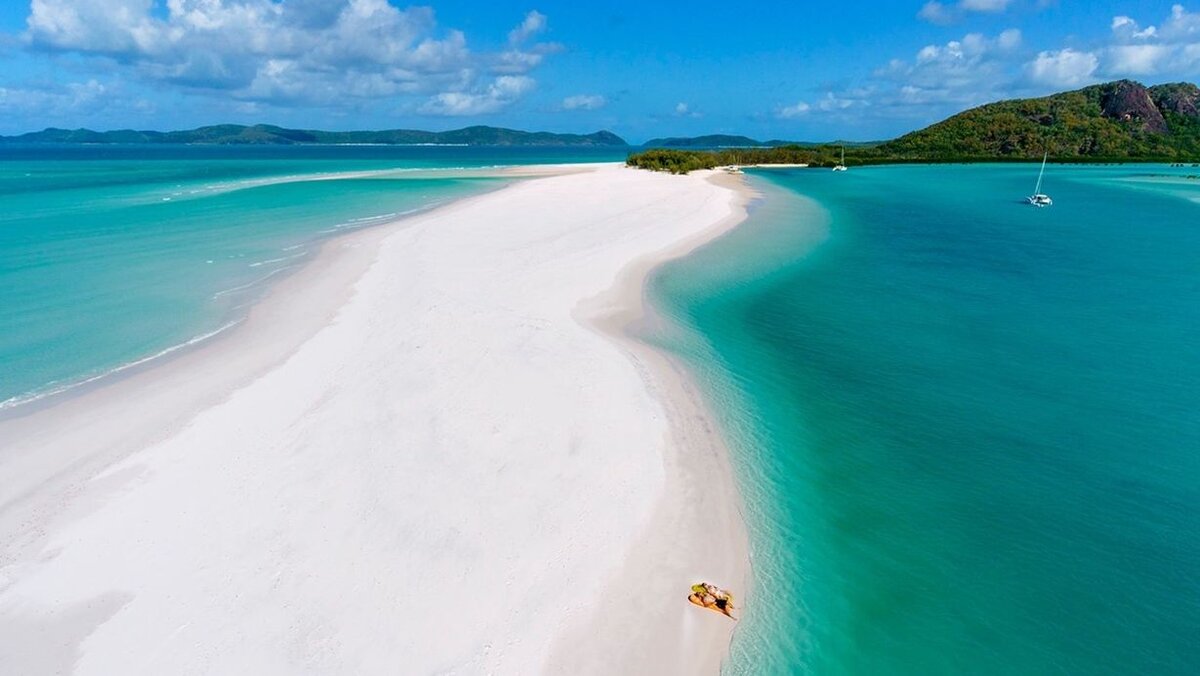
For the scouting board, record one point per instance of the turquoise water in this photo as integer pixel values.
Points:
(967, 430)
(112, 254)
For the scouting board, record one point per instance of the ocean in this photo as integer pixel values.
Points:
(966, 430)
(114, 255)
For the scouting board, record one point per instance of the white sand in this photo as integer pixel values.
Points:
(428, 452)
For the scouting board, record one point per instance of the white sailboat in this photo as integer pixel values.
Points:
(1038, 199)
(841, 166)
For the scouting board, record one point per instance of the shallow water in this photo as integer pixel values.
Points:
(112, 254)
(967, 430)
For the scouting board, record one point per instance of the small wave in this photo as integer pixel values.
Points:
(247, 285)
(366, 221)
(278, 260)
(20, 399)
(372, 218)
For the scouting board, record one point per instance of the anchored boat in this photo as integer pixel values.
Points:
(1038, 199)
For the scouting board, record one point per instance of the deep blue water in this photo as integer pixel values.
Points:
(967, 430)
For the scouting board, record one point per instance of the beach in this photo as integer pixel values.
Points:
(434, 449)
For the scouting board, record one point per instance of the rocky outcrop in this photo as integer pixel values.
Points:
(1181, 98)
(1130, 102)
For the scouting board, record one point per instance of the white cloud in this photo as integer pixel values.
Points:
(66, 104)
(790, 112)
(534, 23)
(502, 92)
(324, 52)
(1063, 68)
(831, 102)
(1170, 47)
(1182, 26)
(964, 70)
(1125, 28)
(984, 5)
(52, 101)
(1009, 39)
(935, 12)
(942, 13)
(684, 110)
(584, 102)
(1137, 59)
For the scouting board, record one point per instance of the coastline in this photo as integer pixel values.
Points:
(697, 532)
(60, 490)
(54, 393)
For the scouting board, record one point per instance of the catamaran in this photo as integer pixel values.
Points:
(841, 166)
(1038, 199)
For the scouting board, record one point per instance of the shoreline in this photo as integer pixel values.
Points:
(701, 497)
(59, 489)
(55, 393)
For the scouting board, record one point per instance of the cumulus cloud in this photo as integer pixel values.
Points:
(54, 101)
(1137, 59)
(793, 111)
(984, 5)
(64, 104)
(967, 71)
(584, 102)
(312, 51)
(829, 103)
(682, 109)
(1172, 46)
(936, 12)
(497, 95)
(943, 13)
(1063, 68)
(534, 23)
(1125, 29)
(943, 78)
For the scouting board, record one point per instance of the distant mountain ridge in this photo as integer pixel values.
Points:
(265, 134)
(736, 141)
(1116, 120)
(708, 141)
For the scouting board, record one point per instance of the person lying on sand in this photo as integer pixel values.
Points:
(712, 597)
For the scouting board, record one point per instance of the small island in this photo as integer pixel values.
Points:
(1120, 121)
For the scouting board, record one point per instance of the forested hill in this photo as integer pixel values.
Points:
(709, 141)
(1116, 120)
(730, 141)
(263, 134)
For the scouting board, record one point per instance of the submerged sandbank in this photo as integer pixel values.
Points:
(417, 454)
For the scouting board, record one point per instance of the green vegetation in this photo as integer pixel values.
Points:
(709, 141)
(1115, 122)
(683, 161)
(722, 141)
(265, 134)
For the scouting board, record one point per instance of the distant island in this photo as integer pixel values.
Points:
(265, 134)
(731, 141)
(1122, 121)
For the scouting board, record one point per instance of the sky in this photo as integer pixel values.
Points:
(796, 70)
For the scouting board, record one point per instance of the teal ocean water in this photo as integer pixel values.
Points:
(110, 255)
(967, 430)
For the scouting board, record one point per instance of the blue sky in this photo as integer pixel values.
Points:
(795, 70)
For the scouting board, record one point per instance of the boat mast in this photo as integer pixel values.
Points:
(1038, 189)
